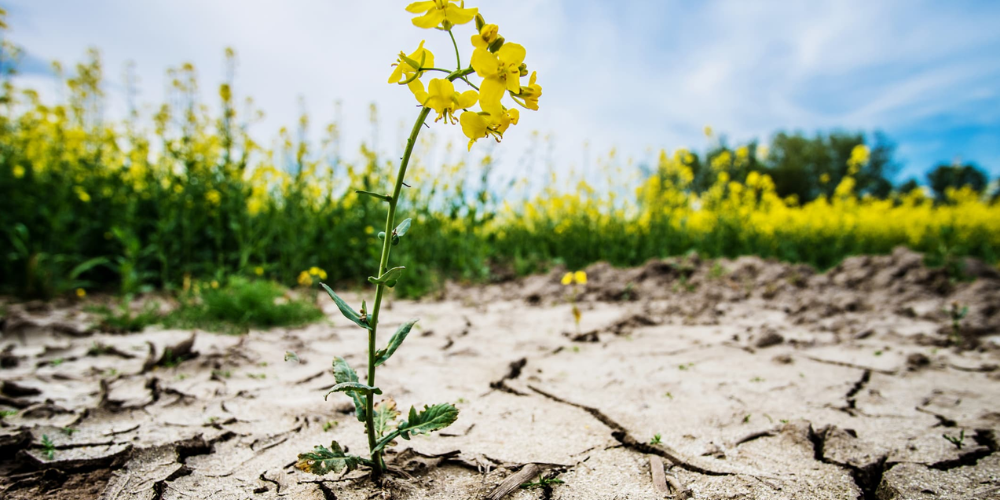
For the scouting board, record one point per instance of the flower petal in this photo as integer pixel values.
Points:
(429, 20)
(512, 54)
(458, 15)
(490, 93)
(418, 7)
(467, 99)
(485, 63)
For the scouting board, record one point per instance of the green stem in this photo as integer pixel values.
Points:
(458, 59)
(390, 220)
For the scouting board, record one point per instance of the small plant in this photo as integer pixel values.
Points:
(668, 395)
(956, 313)
(123, 319)
(746, 419)
(656, 438)
(717, 271)
(957, 441)
(685, 366)
(542, 482)
(330, 424)
(7, 413)
(241, 304)
(222, 373)
(500, 65)
(757, 379)
(48, 447)
(69, 431)
(258, 376)
(56, 362)
(574, 279)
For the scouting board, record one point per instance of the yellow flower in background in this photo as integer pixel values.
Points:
(305, 279)
(487, 35)
(438, 12)
(404, 71)
(315, 271)
(500, 71)
(567, 279)
(580, 277)
(824, 178)
(708, 131)
(442, 97)
(259, 271)
(81, 293)
(18, 171)
(215, 285)
(82, 194)
(213, 197)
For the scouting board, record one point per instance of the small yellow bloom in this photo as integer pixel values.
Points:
(567, 279)
(81, 293)
(80, 193)
(500, 72)
(437, 12)
(580, 277)
(443, 98)
(475, 126)
(531, 93)
(259, 271)
(708, 131)
(215, 285)
(187, 282)
(305, 279)
(404, 71)
(18, 171)
(213, 197)
(487, 35)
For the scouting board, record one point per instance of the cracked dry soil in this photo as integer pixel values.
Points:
(764, 380)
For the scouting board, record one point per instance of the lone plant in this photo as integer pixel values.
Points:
(501, 66)
(577, 278)
(956, 314)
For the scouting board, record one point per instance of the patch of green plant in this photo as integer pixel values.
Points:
(330, 424)
(48, 447)
(542, 482)
(656, 438)
(171, 360)
(7, 413)
(56, 362)
(242, 304)
(122, 319)
(957, 441)
(956, 313)
(69, 431)
(717, 271)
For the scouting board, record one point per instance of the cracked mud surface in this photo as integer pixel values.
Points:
(764, 380)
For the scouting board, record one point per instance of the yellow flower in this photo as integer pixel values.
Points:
(213, 197)
(437, 12)
(487, 35)
(404, 71)
(305, 279)
(475, 126)
(18, 171)
(567, 279)
(315, 271)
(80, 193)
(531, 93)
(500, 71)
(215, 285)
(443, 98)
(81, 293)
(259, 271)
(580, 277)
(708, 131)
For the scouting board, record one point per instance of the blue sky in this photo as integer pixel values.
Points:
(636, 75)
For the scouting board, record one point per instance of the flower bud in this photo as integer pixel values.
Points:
(480, 22)
(495, 46)
(523, 69)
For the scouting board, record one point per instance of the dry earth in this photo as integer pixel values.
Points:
(762, 379)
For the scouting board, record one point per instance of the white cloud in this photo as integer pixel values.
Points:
(632, 74)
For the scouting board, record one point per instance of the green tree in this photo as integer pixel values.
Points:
(956, 176)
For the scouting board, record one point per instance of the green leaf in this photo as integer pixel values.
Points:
(322, 460)
(385, 413)
(374, 195)
(354, 387)
(433, 418)
(382, 355)
(346, 310)
(343, 373)
(389, 278)
(402, 228)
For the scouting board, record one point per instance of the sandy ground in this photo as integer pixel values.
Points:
(763, 380)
